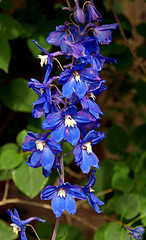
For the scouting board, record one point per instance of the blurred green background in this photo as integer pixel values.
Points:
(121, 180)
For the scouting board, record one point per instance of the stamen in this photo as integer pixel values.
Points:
(77, 76)
(92, 190)
(61, 193)
(69, 121)
(41, 91)
(16, 228)
(88, 147)
(43, 59)
(92, 96)
(40, 145)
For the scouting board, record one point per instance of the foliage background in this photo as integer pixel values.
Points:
(121, 180)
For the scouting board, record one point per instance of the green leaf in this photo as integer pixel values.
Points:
(35, 50)
(67, 147)
(142, 51)
(140, 189)
(124, 60)
(121, 167)
(115, 232)
(29, 180)
(17, 96)
(141, 29)
(117, 139)
(10, 159)
(21, 137)
(68, 232)
(141, 90)
(103, 177)
(138, 136)
(128, 206)
(44, 230)
(100, 232)
(6, 5)
(9, 146)
(143, 211)
(10, 27)
(4, 175)
(5, 53)
(6, 232)
(122, 182)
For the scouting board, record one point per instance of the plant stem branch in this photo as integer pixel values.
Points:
(55, 229)
(6, 188)
(125, 39)
(33, 230)
(68, 3)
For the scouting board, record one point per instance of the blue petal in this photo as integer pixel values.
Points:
(29, 144)
(72, 134)
(70, 204)
(58, 133)
(48, 192)
(52, 120)
(58, 205)
(78, 153)
(67, 89)
(34, 159)
(47, 158)
(22, 234)
(80, 88)
(83, 118)
(55, 147)
(86, 162)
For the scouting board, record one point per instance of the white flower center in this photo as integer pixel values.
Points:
(43, 59)
(40, 145)
(77, 76)
(69, 121)
(88, 147)
(92, 190)
(61, 193)
(16, 228)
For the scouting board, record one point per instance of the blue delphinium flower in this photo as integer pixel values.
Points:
(92, 198)
(136, 232)
(79, 14)
(92, 13)
(88, 102)
(63, 197)
(83, 152)
(43, 148)
(62, 32)
(20, 225)
(65, 124)
(79, 80)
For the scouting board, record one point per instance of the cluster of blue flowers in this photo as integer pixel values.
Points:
(68, 103)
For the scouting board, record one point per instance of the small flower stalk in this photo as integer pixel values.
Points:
(68, 102)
